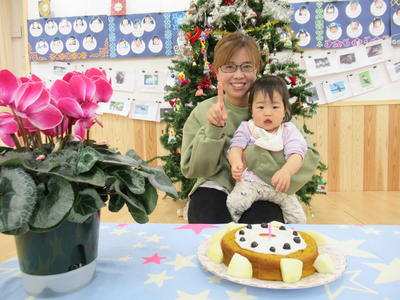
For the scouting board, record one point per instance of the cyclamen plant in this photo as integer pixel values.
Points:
(51, 170)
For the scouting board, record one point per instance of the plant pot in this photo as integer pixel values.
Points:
(59, 261)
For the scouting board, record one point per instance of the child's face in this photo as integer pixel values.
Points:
(333, 29)
(268, 114)
(354, 25)
(353, 6)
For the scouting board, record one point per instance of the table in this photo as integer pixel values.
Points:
(159, 261)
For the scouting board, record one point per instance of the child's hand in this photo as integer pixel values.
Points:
(237, 171)
(281, 180)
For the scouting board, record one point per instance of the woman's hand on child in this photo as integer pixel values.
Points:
(281, 180)
(216, 115)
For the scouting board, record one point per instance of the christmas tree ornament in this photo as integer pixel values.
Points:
(293, 80)
(182, 80)
(171, 136)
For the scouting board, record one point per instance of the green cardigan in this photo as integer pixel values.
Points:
(204, 149)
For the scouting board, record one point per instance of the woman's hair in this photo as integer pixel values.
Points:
(229, 44)
(267, 85)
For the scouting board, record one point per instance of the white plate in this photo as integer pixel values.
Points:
(313, 280)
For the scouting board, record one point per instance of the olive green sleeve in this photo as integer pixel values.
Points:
(202, 146)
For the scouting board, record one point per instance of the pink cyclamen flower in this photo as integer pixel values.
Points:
(31, 101)
(84, 114)
(8, 126)
(8, 85)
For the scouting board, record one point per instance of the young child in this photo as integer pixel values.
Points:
(268, 128)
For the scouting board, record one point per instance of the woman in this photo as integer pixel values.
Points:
(207, 133)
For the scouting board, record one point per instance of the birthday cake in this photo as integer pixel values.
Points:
(269, 252)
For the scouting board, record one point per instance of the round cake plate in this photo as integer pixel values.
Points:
(313, 280)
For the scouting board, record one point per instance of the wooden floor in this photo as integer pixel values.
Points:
(334, 208)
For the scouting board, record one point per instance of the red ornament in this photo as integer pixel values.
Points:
(293, 80)
(228, 2)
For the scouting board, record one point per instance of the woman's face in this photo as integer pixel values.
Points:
(237, 84)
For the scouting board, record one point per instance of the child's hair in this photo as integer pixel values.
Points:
(267, 85)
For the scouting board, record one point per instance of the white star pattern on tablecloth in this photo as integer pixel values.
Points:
(141, 233)
(138, 245)
(119, 231)
(214, 279)
(125, 258)
(370, 230)
(396, 232)
(158, 279)
(241, 295)
(388, 273)
(29, 298)
(350, 247)
(200, 296)
(182, 261)
(154, 238)
(164, 247)
(355, 287)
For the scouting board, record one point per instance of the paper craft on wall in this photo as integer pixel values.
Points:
(143, 35)
(83, 37)
(144, 110)
(123, 80)
(321, 64)
(337, 88)
(395, 22)
(337, 24)
(44, 8)
(378, 51)
(118, 7)
(365, 80)
(350, 58)
(163, 108)
(393, 68)
(117, 106)
(318, 96)
(68, 38)
(148, 81)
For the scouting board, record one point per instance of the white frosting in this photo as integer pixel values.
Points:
(264, 241)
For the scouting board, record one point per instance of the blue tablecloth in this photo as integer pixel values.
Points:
(159, 261)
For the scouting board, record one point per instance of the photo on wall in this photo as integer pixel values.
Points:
(393, 68)
(321, 64)
(123, 80)
(366, 79)
(144, 110)
(151, 81)
(337, 88)
(378, 51)
(118, 105)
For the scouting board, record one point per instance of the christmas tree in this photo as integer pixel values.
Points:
(193, 77)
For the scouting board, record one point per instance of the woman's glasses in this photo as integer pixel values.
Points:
(231, 68)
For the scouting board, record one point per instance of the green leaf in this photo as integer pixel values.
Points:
(53, 206)
(135, 206)
(118, 160)
(18, 196)
(87, 159)
(149, 198)
(132, 180)
(94, 177)
(161, 181)
(115, 203)
(138, 215)
(86, 203)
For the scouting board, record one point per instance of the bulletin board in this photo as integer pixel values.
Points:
(141, 78)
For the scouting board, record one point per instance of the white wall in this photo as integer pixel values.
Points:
(63, 8)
